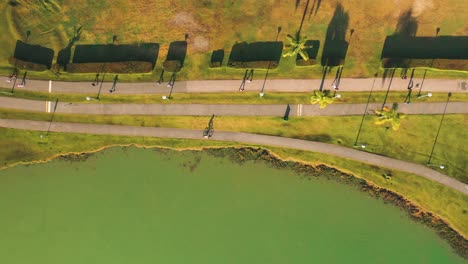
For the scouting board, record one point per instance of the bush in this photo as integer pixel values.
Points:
(26, 65)
(256, 55)
(301, 62)
(215, 64)
(217, 58)
(312, 52)
(254, 64)
(105, 53)
(172, 65)
(441, 52)
(33, 55)
(111, 67)
(444, 64)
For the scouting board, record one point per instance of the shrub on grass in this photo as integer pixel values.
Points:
(172, 65)
(26, 65)
(256, 55)
(111, 67)
(311, 52)
(217, 58)
(33, 55)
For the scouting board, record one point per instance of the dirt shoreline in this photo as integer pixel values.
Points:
(306, 171)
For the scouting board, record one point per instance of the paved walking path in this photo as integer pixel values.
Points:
(224, 110)
(334, 150)
(277, 85)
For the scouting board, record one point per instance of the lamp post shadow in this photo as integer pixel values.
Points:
(286, 113)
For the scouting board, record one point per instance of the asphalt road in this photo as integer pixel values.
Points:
(276, 85)
(223, 110)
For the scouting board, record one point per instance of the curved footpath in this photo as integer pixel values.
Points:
(271, 85)
(243, 138)
(223, 109)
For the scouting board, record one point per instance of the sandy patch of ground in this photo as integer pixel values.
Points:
(419, 6)
(197, 40)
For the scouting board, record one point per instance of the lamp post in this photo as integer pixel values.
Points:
(261, 94)
(100, 86)
(364, 114)
(171, 84)
(53, 114)
(410, 88)
(438, 166)
(14, 83)
(438, 131)
(425, 95)
(388, 89)
(430, 66)
(112, 89)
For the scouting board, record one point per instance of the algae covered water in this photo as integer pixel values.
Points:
(132, 205)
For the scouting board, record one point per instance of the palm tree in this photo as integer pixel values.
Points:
(296, 46)
(322, 98)
(389, 116)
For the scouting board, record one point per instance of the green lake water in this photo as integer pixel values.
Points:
(131, 205)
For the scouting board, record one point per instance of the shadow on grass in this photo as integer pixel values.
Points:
(64, 55)
(32, 57)
(256, 54)
(315, 7)
(407, 26)
(126, 58)
(312, 52)
(448, 52)
(319, 137)
(175, 56)
(336, 46)
(404, 50)
(217, 58)
(116, 53)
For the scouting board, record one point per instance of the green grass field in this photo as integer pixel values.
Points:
(26, 146)
(219, 24)
(412, 142)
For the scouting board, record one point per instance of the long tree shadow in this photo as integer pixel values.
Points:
(175, 56)
(404, 50)
(315, 7)
(336, 46)
(303, 17)
(64, 55)
(407, 26)
(32, 57)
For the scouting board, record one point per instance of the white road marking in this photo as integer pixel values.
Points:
(50, 86)
(48, 106)
(299, 110)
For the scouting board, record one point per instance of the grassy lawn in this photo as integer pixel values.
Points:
(219, 24)
(26, 146)
(412, 142)
(232, 98)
